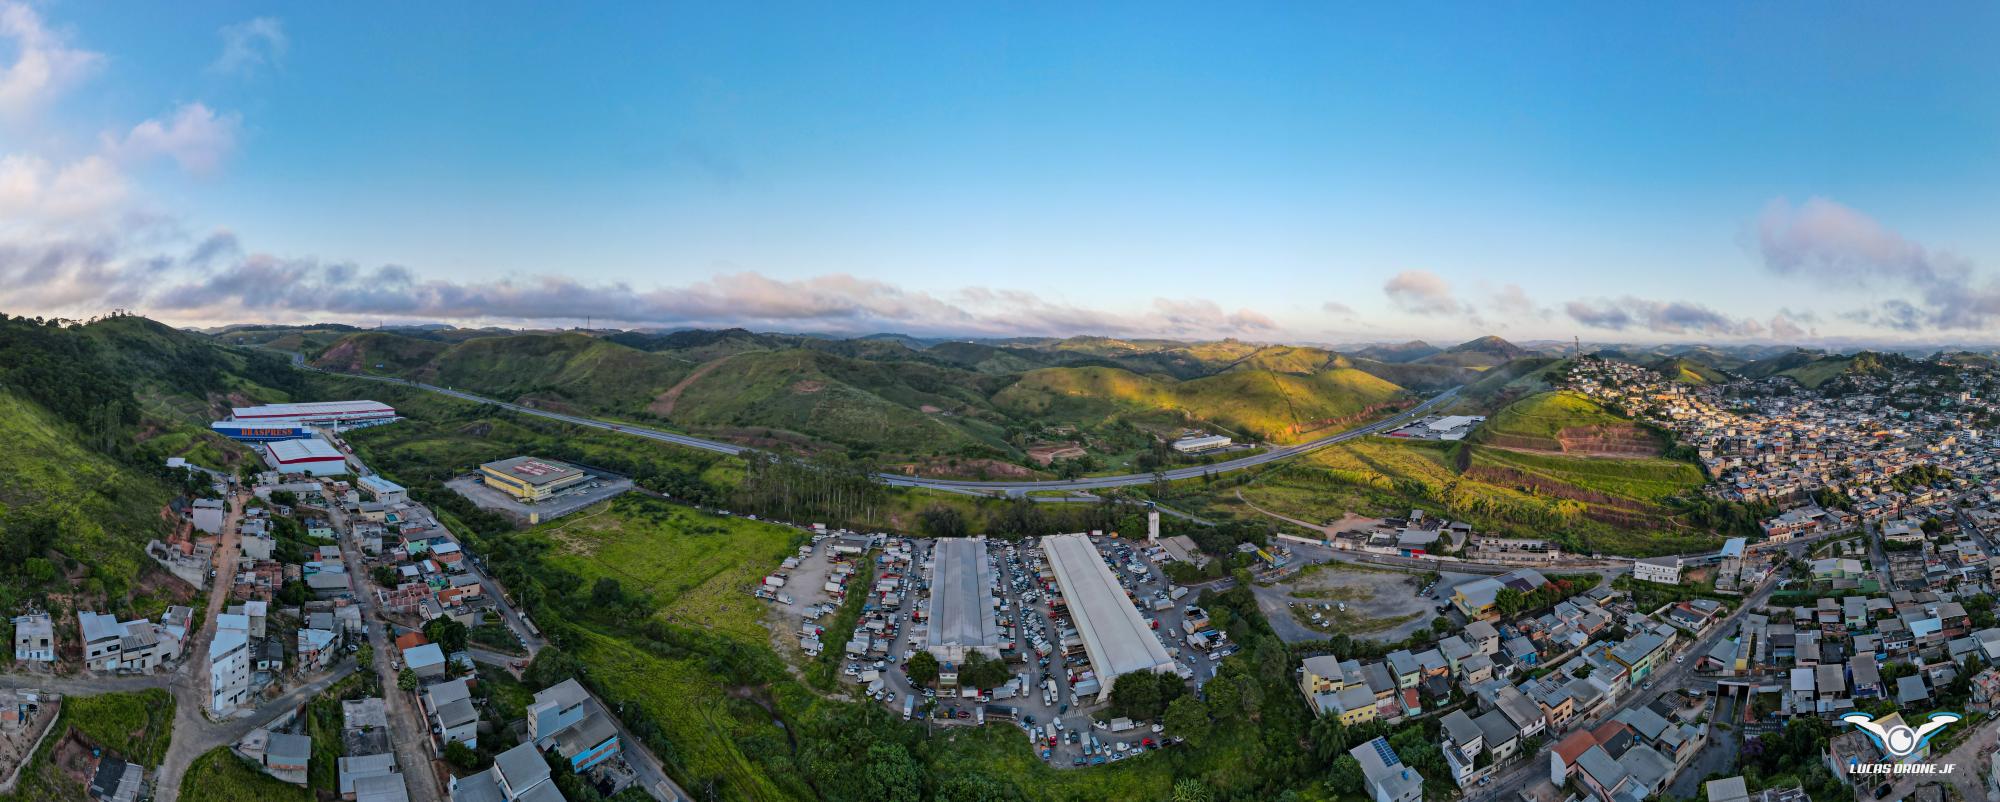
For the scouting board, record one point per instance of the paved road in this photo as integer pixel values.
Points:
(955, 485)
(409, 735)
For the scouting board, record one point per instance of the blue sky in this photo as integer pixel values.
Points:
(1276, 172)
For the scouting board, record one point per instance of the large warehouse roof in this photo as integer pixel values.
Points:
(1118, 641)
(532, 470)
(961, 599)
(316, 411)
(311, 449)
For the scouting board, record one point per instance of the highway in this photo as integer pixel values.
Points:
(953, 485)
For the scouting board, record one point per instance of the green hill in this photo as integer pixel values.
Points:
(1484, 352)
(1248, 402)
(1688, 371)
(1566, 422)
(1398, 352)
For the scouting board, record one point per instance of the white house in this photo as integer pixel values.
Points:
(1664, 570)
(228, 670)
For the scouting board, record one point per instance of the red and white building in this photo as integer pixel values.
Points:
(311, 456)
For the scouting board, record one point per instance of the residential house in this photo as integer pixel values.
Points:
(1387, 778)
(34, 638)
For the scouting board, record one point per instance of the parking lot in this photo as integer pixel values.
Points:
(596, 489)
(1040, 700)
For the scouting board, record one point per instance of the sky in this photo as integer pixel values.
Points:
(1767, 172)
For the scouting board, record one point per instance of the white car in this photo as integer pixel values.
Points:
(1680, 658)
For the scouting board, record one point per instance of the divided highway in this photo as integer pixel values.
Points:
(953, 485)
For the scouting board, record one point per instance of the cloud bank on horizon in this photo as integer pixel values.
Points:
(81, 232)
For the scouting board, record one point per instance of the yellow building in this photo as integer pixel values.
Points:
(528, 478)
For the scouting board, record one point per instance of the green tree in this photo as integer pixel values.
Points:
(1188, 789)
(1345, 776)
(460, 756)
(923, 669)
(1187, 718)
(447, 633)
(892, 775)
(1135, 695)
(407, 679)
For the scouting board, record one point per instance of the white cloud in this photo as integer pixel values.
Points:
(250, 45)
(44, 62)
(37, 195)
(1422, 292)
(1833, 245)
(1662, 317)
(195, 137)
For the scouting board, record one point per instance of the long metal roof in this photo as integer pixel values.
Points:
(1116, 638)
(962, 596)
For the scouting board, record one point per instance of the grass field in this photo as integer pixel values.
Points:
(1589, 504)
(699, 568)
(103, 510)
(1539, 420)
(1248, 403)
(135, 726)
(220, 776)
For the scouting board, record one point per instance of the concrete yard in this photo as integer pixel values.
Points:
(1382, 603)
(598, 488)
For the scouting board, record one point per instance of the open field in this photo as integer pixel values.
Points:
(699, 569)
(1607, 505)
(134, 726)
(220, 776)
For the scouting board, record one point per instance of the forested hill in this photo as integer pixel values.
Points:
(89, 412)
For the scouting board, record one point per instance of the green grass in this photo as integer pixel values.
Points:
(508, 697)
(220, 776)
(103, 511)
(1539, 420)
(698, 568)
(1251, 402)
(135, 726)
(1606, 505)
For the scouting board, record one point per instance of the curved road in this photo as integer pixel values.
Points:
(955, 485)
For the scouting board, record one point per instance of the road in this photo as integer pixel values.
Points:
(410, 730)
(954, 485)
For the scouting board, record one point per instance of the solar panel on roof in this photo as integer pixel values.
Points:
(1382, 750)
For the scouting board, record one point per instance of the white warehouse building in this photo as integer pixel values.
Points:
(1116, 638)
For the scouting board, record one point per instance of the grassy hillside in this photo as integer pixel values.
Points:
(1250, 402)
(1688, 371)
(1484, 352)
(134, 726)
(1613, 506)
(1566, 422)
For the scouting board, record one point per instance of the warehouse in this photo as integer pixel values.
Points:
(1116, 638)
(962, 601)
(1197, 445)
(318, 413)
(529, 478)
(312, 456)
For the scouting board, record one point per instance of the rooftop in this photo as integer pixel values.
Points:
(962, 598)
(532, 470)
(1118, 641)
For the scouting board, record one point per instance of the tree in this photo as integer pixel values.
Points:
(460, 756)
(939, 520)
(365, 655)
(407, 679)
(550, 666)
(923, 669)
(892, 775)
(1345, 776)
(1135, 694)
(1188, 789)
(447, 633)
(1188, 718)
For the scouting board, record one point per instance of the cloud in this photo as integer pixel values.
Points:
(1513, 302)
(38, 195)
(1662, 317)
(1785, 328)
(1422, 292)
(44, 62)
(1828, 243)
(1337, 309)
(215, 280)
(195, 137)
(250, 45)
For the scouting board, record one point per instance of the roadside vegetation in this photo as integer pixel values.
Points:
(219, 775)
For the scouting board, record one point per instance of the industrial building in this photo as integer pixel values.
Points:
(962, 601)
(529, 478)
(318, 413)
(312, 456)
(1197, 445)
(383, 490)
(1117, 640)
